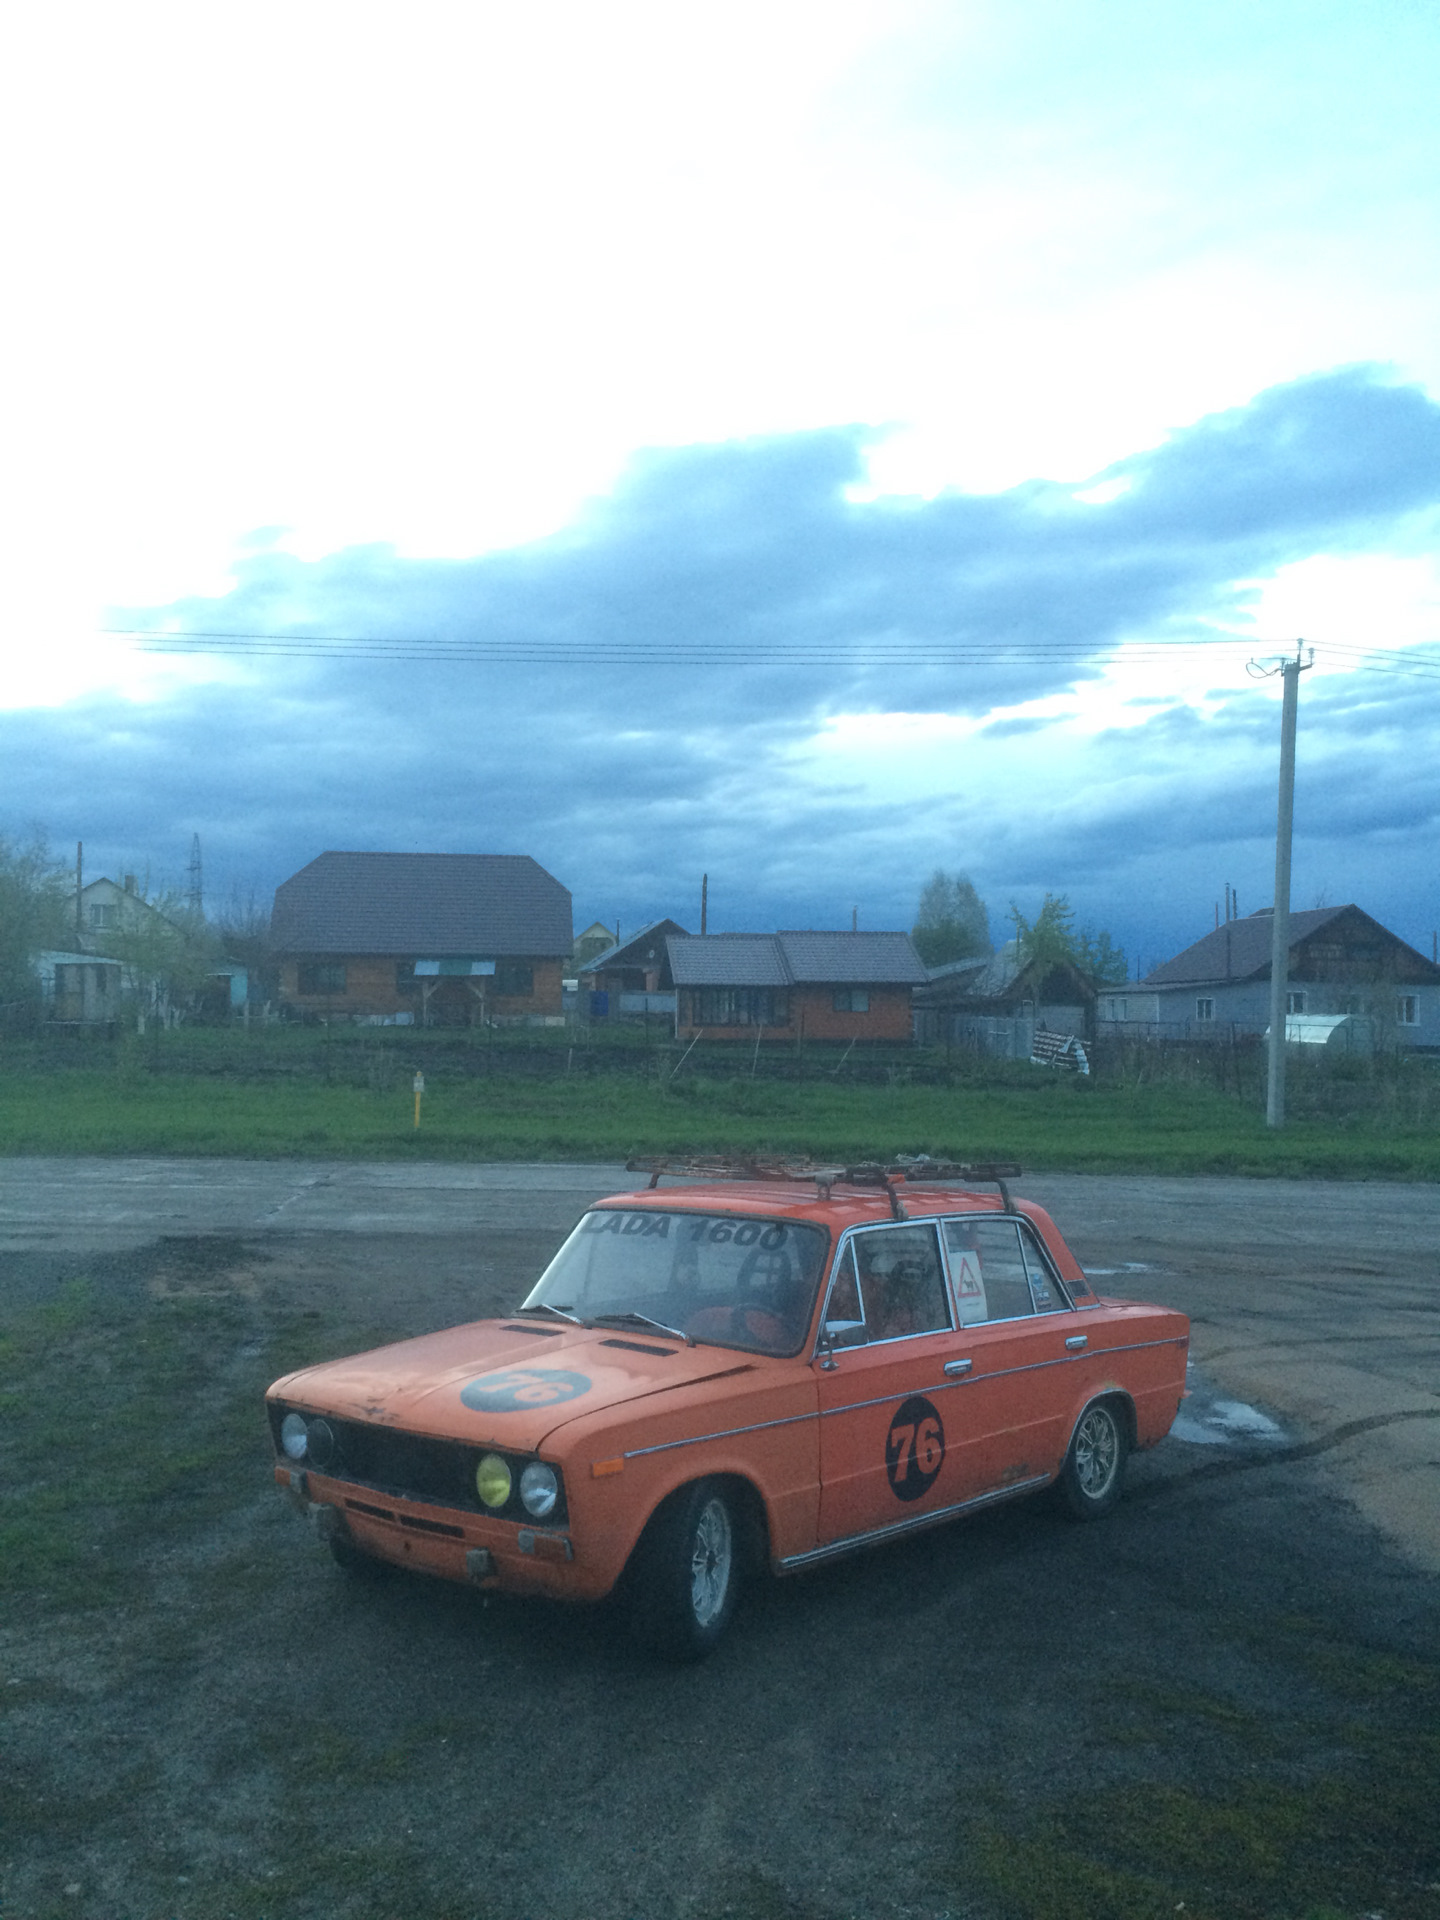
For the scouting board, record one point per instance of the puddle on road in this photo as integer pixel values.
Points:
(1208, 1420)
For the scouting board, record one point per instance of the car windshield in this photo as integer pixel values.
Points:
(718, 1277)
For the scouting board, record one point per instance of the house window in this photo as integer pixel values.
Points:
(1204, 1009)
(1119, 1009)
(101, 916)
(739, 1007)
(1295, 1002)
(514, 979)
(322, 977)
(405, 981)
(1405, 1013)
(851, 1000)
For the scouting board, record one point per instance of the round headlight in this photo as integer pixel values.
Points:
(539, 1489)
(294, 1436)
(321, 1443)
(492, 1480)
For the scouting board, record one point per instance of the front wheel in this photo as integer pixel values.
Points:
(685, 1576)
(1094, 1471)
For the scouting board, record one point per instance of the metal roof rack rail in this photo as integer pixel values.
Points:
(915, 1168)
(919, 1167)
(720, 1166)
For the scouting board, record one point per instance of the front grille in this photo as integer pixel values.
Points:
(412, 1466)
(439, 1471)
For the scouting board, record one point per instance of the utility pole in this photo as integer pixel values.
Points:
(1290, 672)
(704, 901)
(197, 882)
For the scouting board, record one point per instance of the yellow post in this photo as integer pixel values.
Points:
(419, 1089)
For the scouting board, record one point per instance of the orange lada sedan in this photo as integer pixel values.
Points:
(761, 1368)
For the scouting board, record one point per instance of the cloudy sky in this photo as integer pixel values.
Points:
(804, 443)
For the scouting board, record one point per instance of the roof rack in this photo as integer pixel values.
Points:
(919, 1169)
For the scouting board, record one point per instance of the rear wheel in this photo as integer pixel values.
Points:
(685, 1575)
(1094, 1472)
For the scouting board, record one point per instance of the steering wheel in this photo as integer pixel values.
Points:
(751, 1322)
(746, 1323)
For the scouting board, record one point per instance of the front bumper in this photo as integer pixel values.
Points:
(471, 1548)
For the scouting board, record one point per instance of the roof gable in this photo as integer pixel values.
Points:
(636, 950)
(484, 904)
(1240, 949)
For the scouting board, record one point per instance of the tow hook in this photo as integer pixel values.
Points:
(328, 1522)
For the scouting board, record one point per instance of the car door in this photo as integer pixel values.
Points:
(1023, 1341)
(885, 1450)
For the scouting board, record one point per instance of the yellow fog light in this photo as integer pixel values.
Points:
(492, 1480)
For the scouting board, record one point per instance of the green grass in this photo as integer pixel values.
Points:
(1043, 1120)
(1362, 1841)
(120, 1428)
(1322, 1814)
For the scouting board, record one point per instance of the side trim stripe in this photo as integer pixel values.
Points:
(854, 1541)
(970, 1380)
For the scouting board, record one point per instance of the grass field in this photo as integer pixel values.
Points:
(304, 1095)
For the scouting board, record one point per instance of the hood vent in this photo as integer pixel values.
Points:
(545, 1333)
(634, 1346)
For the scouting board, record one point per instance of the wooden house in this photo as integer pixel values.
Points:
(790, 986)
(1341, 963)
(437, 939)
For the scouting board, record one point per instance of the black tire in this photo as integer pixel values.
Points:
(684, 1576)
(1093, 1476)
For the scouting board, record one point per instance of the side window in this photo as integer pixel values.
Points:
(988, 1267)
(901, 1287)
(844, 1317)
(1043, 1288)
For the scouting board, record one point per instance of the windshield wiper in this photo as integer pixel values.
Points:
(559, 1313)
(639, 1320)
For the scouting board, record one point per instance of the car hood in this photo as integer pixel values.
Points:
(502, 1383)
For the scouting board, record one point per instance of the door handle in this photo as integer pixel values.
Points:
(958, 1366)
(1076, 1341)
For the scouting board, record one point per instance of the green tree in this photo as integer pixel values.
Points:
(1097, 955)
(36, 911)
(950, 921)
(1051, 937)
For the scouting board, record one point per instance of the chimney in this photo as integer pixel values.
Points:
(129, 883)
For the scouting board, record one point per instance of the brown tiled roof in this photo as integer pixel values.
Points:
(423, 904)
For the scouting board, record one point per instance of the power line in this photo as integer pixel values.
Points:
(238, 644)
